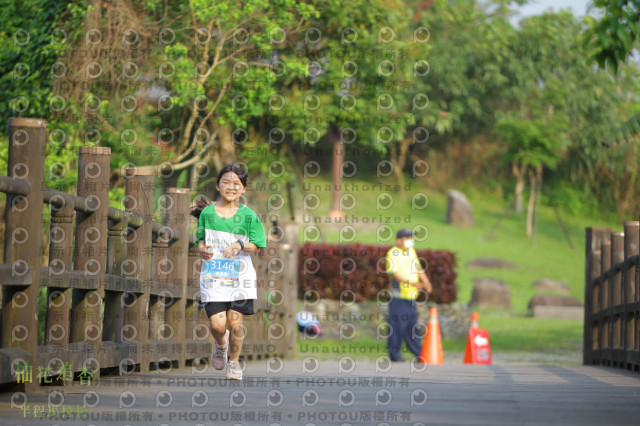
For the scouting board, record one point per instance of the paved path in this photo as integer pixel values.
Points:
(326, 392)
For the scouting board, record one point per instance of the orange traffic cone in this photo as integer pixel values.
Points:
(474, 320)
(432, 346)
(478, 350)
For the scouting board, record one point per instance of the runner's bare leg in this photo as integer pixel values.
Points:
(218, 326)
(236, 333)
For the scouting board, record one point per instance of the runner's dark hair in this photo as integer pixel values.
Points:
(235, 168)
(203, 202)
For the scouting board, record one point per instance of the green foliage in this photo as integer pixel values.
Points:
(614, 35)
(35, 33)
(571, 200)
(565, 104)
(60, 163)
(628, 131)
(345, 75)
(268, 163)
(468, 50)
(4, 153)
(531, 143)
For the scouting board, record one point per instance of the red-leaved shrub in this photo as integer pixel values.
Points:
(331, 268)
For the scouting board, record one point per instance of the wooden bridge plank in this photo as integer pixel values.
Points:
(445, 394)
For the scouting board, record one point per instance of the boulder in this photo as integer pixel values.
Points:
(545, 284)
(548, 300)
(489, 263)
(559, 312)
(490, 293)
(459, 211)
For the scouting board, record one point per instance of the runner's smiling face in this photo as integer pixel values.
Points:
(230, 187)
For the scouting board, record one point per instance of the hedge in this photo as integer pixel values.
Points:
(363, 271)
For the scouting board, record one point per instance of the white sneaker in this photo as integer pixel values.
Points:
(219, 354)
(234, 371)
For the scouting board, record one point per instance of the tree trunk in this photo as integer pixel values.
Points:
(227, 148)
(518, 201)
(397, 172)
(399, 159)
(336, 171)
(532, 199)
(193, 185)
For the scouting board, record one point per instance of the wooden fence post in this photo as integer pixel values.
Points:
(23, 236)
(138, 200)
(631, 240)
(157, 302)
(178, 218)
(91, 245)
(116, 259)
(593, 244)
(615, 291)
(603, 298)
(586, 335)
(593, 302)
(57, 325)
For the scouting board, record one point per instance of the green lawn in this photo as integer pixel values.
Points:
(551, 257)
(508, 333)
(512, 333)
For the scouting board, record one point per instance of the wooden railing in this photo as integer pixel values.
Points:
(122, 290)
(612, 297)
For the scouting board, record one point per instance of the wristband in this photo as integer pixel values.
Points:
(241, 244)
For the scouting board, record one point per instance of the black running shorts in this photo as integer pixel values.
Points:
(244, 306)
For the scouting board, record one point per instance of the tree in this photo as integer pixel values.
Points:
(467, 77)
(221, 70)
(34, 35)
(339, 99)
(614, 36)
(612, 39)
(552, 79)
(533, 145)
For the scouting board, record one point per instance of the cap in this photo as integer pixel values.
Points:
(404, 232)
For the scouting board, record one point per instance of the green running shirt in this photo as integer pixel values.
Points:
(225, 280)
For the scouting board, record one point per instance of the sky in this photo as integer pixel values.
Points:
(536, 7)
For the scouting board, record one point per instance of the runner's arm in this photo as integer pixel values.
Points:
(232, 250)
(202, 247)
(250, 248)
